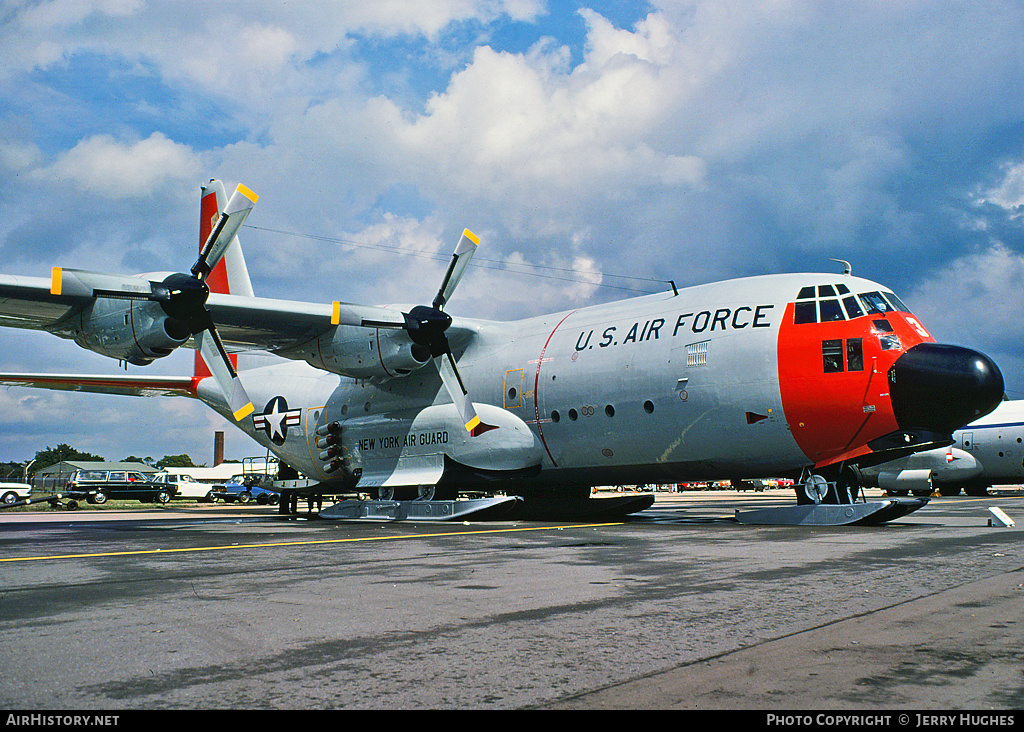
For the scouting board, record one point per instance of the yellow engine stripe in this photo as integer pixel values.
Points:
(335, 312)
(56, 280)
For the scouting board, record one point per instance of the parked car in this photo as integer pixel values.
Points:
(97, 486)
(243, 489)
(186, 486)
(14, 492)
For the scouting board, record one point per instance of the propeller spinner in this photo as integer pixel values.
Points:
(426, 326)
(182, 297)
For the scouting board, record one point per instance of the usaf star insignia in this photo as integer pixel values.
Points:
(276, 419)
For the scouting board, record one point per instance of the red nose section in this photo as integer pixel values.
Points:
(834, 383)
(847, 383)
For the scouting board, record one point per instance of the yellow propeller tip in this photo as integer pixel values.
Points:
(247, 193)
(244, 412)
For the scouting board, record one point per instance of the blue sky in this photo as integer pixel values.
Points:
(584, 142)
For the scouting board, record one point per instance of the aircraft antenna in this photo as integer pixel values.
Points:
(847, 268)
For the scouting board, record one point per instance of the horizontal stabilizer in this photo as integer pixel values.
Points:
(117, 384)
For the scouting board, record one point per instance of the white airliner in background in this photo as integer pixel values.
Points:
(987, 452)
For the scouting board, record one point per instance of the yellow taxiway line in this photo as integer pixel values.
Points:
(266, 545)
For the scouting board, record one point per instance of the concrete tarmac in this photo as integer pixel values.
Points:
(679, 607)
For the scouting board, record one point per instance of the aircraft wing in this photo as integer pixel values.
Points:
(244, 322)
(274, 325)
(117, 384)
(26, 302)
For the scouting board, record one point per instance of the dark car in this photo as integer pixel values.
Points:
(97, 486)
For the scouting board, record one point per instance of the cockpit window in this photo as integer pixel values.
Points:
(828, 303)
(820, 304)
(806, 312)
(896, 303)
(889, 342)
(831, 311)
(874, 303)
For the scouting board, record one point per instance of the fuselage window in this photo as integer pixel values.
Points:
(830, 311)
(832, 356)
(855, 354)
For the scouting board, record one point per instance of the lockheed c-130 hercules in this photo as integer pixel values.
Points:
(806, 375)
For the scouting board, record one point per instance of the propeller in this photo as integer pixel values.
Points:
(426, 326)
(182, 297)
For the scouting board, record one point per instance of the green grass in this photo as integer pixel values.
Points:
(110, 505)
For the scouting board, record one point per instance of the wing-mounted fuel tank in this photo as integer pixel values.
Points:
(417, 447)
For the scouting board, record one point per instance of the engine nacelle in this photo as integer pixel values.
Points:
(365, 353)
(134, 331)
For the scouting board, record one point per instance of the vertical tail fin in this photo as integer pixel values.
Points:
(231, 275)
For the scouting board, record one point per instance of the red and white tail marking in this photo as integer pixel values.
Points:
(231, 275)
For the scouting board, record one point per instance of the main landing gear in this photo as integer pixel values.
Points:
(834, 487)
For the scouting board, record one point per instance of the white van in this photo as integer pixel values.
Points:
(188, 487)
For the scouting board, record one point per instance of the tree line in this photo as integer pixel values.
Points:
(12, 471)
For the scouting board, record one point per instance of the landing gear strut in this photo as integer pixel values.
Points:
(830, 487)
